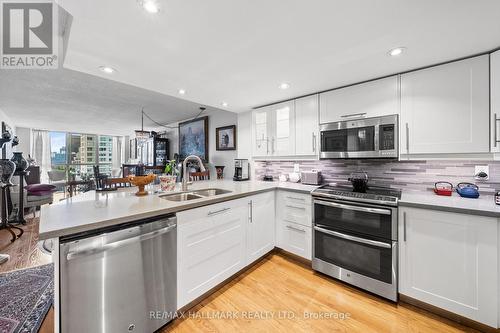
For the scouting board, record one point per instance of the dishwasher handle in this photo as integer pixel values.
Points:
(119, 243)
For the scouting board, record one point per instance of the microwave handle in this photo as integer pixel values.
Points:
(357, 208)
(354, 238)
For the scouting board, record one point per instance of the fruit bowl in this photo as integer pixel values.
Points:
(141, 181)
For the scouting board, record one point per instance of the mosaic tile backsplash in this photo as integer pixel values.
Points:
(405, 175)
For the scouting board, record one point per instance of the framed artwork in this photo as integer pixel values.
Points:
(226, 137)
(193, 138)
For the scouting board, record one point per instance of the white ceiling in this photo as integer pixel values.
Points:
(67, 100)
(239, 51)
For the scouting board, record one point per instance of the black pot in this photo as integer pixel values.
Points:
(359, 181)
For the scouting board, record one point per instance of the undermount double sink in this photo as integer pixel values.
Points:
(191, 195)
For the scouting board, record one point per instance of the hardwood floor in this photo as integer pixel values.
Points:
(24, 252)
(272, 296)
(279, 285)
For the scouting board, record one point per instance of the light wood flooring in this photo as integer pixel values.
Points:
(276, 286)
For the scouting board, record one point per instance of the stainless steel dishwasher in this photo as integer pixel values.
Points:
(119, 279)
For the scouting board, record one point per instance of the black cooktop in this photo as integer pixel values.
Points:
(374, 194)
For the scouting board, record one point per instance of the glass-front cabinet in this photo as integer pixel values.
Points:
(274, 130)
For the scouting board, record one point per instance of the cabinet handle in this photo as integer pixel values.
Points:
(250, 207)
(267, 146)
(295, 228)
(404, 226)
(353, 115)
(407, 138)
(295, 198)
(290, 206)
(272, 146)
(313, 143)
(496, 131)
(218, 211)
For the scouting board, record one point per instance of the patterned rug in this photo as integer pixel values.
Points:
(25, 297)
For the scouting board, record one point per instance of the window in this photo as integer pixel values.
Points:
(76, 154)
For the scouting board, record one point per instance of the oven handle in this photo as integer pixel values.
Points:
(358, 208)
(354, 238)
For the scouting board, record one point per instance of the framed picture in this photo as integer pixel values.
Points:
(226, 137)
(193, 138)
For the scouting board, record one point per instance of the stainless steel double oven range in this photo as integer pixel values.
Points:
(355, 237)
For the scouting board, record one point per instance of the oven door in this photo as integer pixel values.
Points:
(365, 220)
(368, 264)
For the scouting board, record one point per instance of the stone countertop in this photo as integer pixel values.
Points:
(93, 210)
(484, 205)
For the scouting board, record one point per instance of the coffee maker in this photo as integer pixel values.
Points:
(241, 169)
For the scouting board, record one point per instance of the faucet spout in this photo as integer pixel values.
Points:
(184, 169)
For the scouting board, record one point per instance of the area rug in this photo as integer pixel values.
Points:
(26, 296)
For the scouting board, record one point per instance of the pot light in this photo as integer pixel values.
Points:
(107, 69)
(224, 104)
(397, 51)
(284, 86)
(182, 92)
(151, 6)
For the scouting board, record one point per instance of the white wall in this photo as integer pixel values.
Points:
(215, 119)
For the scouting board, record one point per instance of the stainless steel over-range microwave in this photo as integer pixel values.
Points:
(361, 138)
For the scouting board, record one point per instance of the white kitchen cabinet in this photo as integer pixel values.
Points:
(495, 101)
(260, 226)
(274, 130)
(211, 246)
(294, 223)
(445, 109)
(306, 125)
(449, 260)
(371, 99)
(294, 238)
(261, 131)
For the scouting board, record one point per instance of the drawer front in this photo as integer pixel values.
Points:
(215, 210)
(295, 238)
(294, 207)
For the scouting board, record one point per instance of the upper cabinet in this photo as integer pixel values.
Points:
(495, 101)
(370, 99)
(286, 129)
(306, 129)
(445, 109)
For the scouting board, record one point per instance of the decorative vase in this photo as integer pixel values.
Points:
(167, 182)
(220, 171)
(7, 169)
(19, 161)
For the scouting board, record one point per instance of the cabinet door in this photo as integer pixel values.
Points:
(445, 109)
(210, 247)
(371, 99)
(282, 129)
(449, 260)
(261, 226)
(294, 238)
(261, 129)
(495, 101)
(306, 125)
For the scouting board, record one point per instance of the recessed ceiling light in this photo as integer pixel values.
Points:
(151, 6)
(224, 104)
(107, 69)
(284, 86)
(397, 51)
(182, 92)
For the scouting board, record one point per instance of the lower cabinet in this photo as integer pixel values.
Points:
(294, 223)
(450, 260)
(216, 241)
(261, 226)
